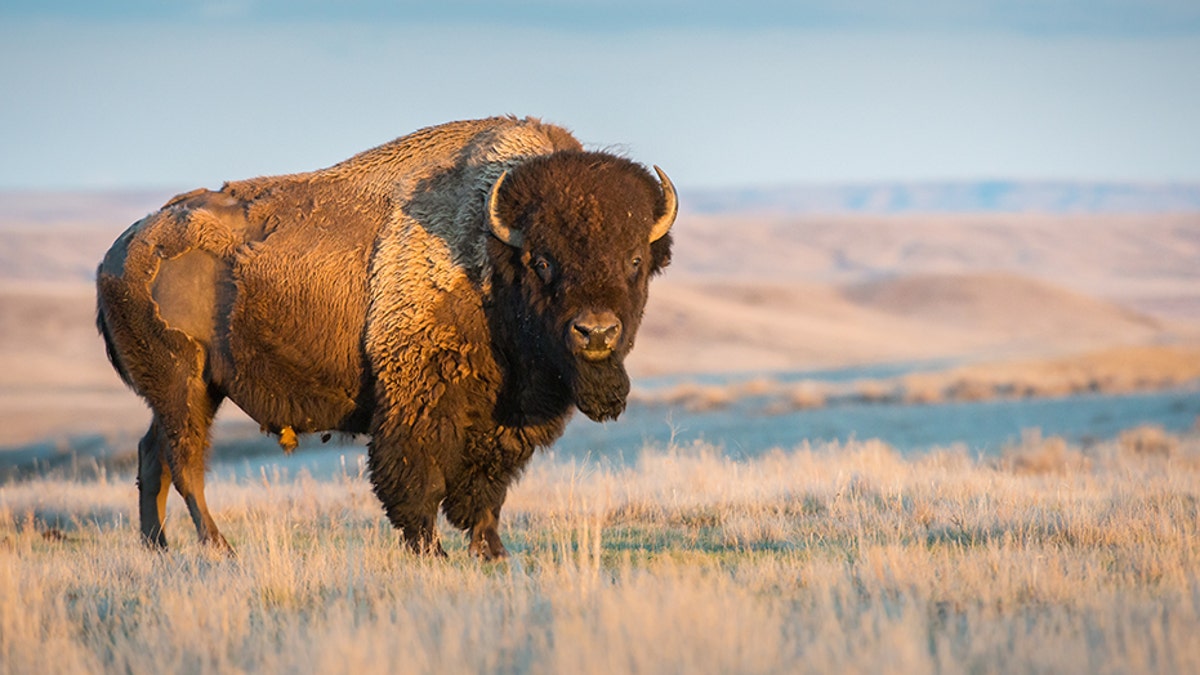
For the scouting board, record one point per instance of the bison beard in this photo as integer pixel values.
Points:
(600, 388)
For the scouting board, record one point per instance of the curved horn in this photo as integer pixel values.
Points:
(501, 231)
(668, 217)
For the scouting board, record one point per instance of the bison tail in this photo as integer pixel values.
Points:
(113, 357)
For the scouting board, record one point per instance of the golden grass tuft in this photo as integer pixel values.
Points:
(831, 558)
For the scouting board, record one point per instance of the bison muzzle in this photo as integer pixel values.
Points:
(454, 294)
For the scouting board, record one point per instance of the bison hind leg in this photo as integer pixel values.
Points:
(154, 483)
(174, 451)
(187, 457)
(184, 404)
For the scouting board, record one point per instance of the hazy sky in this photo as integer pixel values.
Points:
(181, 94)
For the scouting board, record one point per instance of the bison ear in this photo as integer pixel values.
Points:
(501, 231)
(660, 254)
(664, 222)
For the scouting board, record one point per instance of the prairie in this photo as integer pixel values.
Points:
(1054, 555)
(837, 558)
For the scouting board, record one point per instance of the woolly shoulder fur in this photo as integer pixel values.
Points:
(430, 276)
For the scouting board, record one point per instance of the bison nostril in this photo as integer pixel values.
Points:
(607, 333)
(596, 333)
(611, 333)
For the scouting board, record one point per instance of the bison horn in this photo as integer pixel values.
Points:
(668, 217)
(502, 232)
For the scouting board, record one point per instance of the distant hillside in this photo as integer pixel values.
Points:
(1150, 262)
(964, 197)
(61, 236)
(713, 326)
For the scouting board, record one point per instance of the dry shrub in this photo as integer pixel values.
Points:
(806, 396)
(1039, 385)
(1038, 455)
(1148, 441)
(1113, 371)
(694, 396)
(968, 389)
(698, 397)
(759, 386)
(709, 398)
(876, 391)
(923, 389)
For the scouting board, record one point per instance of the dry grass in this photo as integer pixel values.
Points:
(1120, 370)
(830, 559)
(1110, 371)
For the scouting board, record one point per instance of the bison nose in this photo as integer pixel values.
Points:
(595, 334)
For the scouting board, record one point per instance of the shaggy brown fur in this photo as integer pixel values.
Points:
(371, 297)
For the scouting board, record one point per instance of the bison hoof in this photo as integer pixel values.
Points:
(432, 549)
(217, 544)
(155, 542)
(487, 546)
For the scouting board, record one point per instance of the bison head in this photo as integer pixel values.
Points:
(582, 234)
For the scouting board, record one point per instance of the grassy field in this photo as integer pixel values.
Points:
(828, 559)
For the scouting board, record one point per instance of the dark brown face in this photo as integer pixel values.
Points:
(579, 230)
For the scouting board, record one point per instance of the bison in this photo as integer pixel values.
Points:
(454, 294)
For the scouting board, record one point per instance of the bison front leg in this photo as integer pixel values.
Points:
(411, 487)
(485, 537)
(474, 505)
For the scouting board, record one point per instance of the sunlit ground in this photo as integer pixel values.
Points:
(827, 559)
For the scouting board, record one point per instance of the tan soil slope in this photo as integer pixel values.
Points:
(1148, 262)
(48, 337)
(1006, 308)
(732, 326)
(54, 378)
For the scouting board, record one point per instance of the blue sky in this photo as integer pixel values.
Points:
(179, 94)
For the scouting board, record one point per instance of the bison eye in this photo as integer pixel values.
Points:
(544, 269)
(634, 266)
